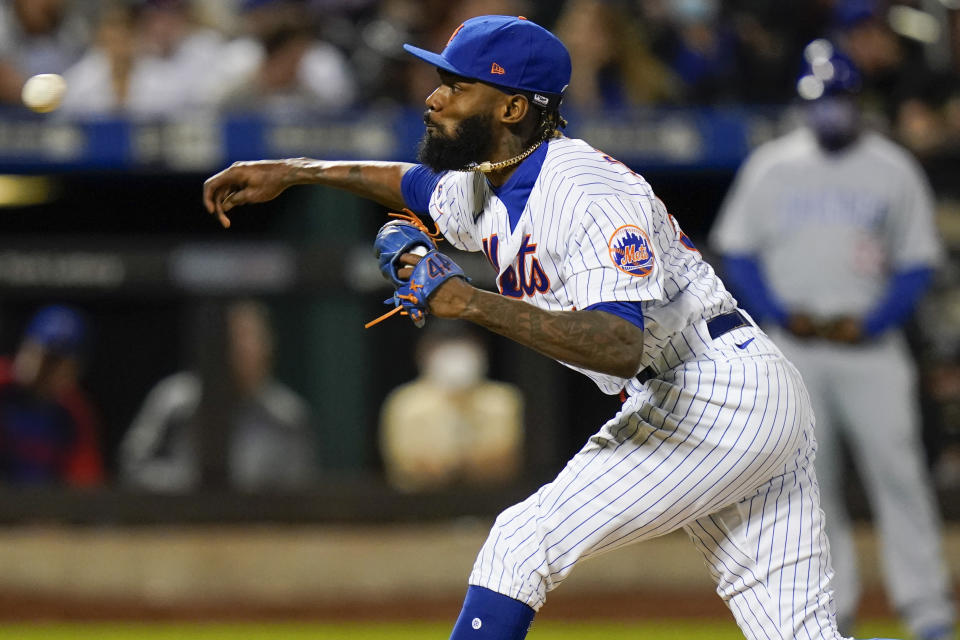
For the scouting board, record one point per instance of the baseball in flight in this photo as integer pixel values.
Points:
(44, 92)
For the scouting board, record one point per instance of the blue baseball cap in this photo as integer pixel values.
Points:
(58, 328)
(827, 72)
(510, 53)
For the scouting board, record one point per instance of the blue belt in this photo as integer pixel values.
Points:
(716, 327)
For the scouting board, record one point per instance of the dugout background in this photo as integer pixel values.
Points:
(150, 324)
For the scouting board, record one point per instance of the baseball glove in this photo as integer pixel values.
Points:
(405, 235)
(398, 237)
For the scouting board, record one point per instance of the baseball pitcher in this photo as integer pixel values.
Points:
(715, 435)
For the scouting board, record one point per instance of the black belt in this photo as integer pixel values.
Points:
(716, 327)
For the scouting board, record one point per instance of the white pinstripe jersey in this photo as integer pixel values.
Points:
(590, 231)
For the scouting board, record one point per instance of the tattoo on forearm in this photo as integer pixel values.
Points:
(593, 339)
(377, 181)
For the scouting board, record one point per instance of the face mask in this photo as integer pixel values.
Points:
(835, 121)
(455, 365)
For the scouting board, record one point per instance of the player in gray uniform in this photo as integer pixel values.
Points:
(715, 436)
(828, 236)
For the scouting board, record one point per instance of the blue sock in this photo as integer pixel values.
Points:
(488, 615)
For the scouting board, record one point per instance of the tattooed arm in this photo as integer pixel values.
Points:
(250, 182)
(594, 340)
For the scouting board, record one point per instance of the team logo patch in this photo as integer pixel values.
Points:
(630, 250)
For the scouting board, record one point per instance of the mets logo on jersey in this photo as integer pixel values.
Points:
(523, 278)
(630, 250)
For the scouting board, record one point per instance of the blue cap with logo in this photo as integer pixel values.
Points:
(58, 328)
(509, 53)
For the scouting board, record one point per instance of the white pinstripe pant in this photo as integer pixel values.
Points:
(721, 446)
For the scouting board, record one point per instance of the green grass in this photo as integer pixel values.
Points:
(546, 630)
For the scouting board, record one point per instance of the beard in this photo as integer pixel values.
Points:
(471, 143)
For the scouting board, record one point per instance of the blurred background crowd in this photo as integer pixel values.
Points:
(148, 58)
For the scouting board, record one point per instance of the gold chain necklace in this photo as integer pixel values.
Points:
(487, 166)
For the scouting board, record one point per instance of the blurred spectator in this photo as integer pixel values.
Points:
(613, 66)
(48, 432)
(866, 37)
(929, 122)
(920, 102)
(179, 59)
(147, 60)
(275, 87)
(374, 33)
(828, 237)
(769, 39)
(943, 388)
(100, 82)
(700, 47)
(268, 436)
(939, 319)
(280, 65)
(221, 15)
(893, 68)
(451, 425)
(38, 36)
